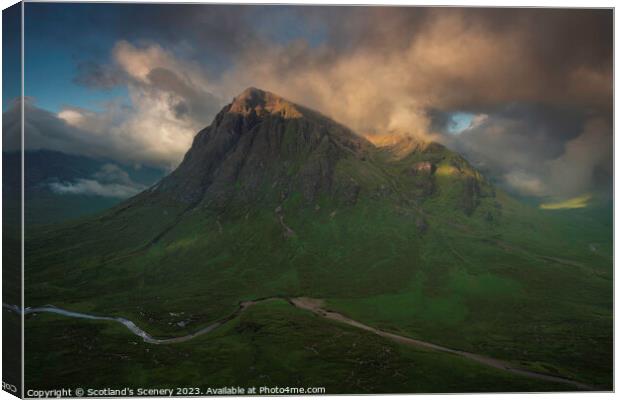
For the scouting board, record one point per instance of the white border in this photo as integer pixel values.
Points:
(23, 193)
(463, 3)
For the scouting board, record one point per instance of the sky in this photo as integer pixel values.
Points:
(525, 94)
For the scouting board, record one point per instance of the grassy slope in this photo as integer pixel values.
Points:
(528, 287)
(508, 281)
(272, 344)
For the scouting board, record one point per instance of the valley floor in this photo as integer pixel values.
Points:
(271, 344)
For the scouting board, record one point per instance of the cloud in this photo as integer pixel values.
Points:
(145, 133)
(109, 181)
(111, 173)
(93, 188)
(525, 183)
(536, 81)
(541, 152)
(587, 159)
(517, 137)
(503, 67)
(44, 130)
(99, 76)
(446, 59)
(169, 99)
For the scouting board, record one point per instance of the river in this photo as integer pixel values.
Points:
(316, 307)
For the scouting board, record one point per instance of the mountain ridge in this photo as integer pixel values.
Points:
(262, 147)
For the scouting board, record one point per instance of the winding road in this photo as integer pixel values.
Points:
(314, 306)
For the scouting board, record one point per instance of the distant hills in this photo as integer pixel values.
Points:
(61, 187)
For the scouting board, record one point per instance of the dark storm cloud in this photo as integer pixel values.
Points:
(44, 130)
(98, 76)
(534, 132)
(192, 102)
(540, 151)
(193, 31)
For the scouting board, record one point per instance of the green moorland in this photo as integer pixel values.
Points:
(272, 345)
(510, 281)
(436, 254)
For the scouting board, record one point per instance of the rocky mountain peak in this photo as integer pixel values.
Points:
(264, 149)
(260, 102)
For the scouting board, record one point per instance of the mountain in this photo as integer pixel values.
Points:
(262, 150)
(275, 199)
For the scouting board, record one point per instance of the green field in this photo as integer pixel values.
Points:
(272, 344)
